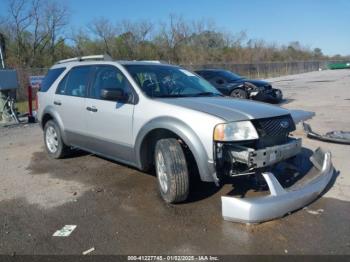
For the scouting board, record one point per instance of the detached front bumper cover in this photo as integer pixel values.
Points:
(340, 137)
(281, 200)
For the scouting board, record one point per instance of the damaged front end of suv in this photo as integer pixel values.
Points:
(255, 149)
(260, 144)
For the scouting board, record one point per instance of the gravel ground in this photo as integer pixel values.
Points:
(117, 209)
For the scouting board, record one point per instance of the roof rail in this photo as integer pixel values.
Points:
(154, 61)
(86, 58)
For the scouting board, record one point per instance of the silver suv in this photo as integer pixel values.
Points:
(148, 114)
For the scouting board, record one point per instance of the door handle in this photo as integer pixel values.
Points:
(92, 109)
(58, 103)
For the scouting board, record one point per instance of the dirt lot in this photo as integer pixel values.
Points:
(117, 209)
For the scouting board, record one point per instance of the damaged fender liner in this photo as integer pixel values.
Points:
(340, 137)
(281, 200)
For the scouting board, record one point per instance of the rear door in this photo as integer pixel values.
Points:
(109, 123)
(69, 101)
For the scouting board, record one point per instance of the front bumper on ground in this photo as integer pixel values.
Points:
(281, 201)
(341, 137)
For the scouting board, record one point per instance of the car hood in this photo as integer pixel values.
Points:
(229, 109)
(258, 83)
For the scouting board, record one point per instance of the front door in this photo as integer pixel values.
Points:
(109, 123)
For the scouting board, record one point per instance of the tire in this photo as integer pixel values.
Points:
(171, 169)
(54, 144)
(239, 93)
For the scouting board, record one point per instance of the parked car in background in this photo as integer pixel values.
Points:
(234, 85)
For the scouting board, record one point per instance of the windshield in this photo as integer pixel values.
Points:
(170, 81)
(229, 76)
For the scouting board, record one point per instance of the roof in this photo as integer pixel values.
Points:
(143, 63)
(103, 59)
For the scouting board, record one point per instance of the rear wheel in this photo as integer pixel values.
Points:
(171, 169)
(54, 144)
(239, 93)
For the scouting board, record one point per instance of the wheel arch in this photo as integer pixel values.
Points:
(236, 88)
(164, 127)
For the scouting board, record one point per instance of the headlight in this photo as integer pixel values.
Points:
(235, 131)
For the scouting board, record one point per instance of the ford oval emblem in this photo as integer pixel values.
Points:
(284, 124)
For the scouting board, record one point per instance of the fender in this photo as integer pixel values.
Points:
(53, 113)
(181, 129)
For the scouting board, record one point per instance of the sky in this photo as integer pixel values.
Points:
(314, 23)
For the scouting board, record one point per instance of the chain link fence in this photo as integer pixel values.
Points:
(251, 70)
(267, 69)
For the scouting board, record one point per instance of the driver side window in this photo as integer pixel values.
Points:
(109, 77)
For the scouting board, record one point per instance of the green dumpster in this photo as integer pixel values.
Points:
(339, 65)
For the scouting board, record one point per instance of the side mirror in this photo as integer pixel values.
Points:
(114, 94)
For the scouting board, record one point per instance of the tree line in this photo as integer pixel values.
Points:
(38, 32)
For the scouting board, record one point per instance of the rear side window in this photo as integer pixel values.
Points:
(75, 83)
(50, 77)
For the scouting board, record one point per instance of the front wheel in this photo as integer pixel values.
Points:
(171, 170)
(239, 93)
